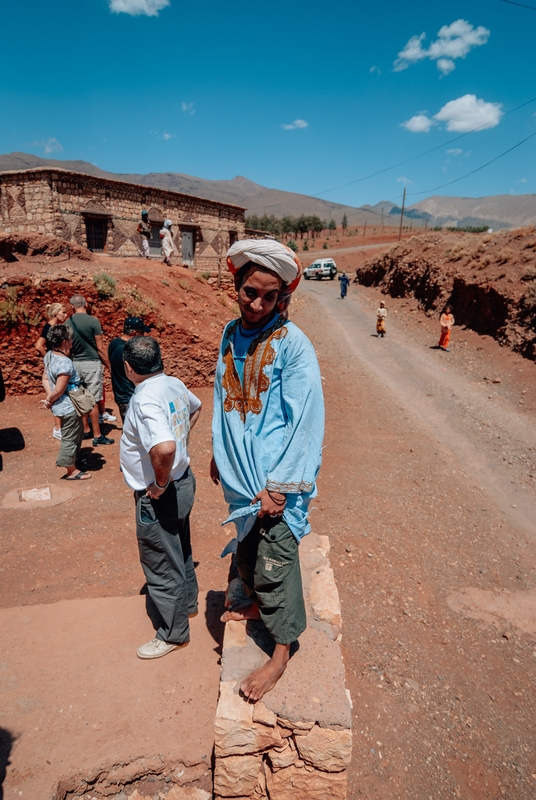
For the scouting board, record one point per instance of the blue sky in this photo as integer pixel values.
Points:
(298, 96)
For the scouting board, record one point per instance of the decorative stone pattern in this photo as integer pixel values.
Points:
(295, 744)
(58, 202)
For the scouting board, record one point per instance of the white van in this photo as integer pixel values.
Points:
(321, 268)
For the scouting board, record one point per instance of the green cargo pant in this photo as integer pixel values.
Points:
(269, 566)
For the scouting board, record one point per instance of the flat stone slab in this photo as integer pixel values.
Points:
(38, 496)
(77, 702)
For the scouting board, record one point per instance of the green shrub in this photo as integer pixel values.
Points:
(292, 244)
(184, 285)
(136, 304)
(105, 284)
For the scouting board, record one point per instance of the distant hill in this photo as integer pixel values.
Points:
(500, 211)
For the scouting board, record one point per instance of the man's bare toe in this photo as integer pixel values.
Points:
(262, 680)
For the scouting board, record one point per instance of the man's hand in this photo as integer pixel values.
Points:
(154, 492)
(272, 504)
(214, 472)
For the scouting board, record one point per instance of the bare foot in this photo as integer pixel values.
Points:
(248, 612)
(262, 680)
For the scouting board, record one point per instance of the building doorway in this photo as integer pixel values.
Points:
(188, 245)
(96, 233)
(155, 242)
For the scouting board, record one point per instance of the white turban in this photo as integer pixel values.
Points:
(267, 253)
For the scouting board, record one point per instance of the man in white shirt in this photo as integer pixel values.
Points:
(155, 464)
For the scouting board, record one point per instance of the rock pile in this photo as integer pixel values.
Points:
(297, 742)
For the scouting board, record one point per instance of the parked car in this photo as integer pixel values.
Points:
(321, 268)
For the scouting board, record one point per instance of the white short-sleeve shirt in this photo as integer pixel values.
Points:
(159, 411)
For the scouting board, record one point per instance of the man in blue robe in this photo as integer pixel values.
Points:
(267, 432)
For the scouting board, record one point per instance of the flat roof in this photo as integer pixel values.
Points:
(141, 186)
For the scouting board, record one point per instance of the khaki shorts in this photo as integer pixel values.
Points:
(92, 373)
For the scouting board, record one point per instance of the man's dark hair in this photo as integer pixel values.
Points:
(143, 354)
(58, 334)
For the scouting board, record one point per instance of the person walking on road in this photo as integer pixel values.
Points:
(63, 378)
(345, 282)
(123, 388)
(381, 316)
(89, 357)
(144, 229)
(156, 466)
(168, 248)
(446, 321)
(267, 433)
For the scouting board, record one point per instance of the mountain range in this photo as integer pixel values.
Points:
(498, 211)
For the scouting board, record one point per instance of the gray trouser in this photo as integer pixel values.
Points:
(72, 429)
(163, 531)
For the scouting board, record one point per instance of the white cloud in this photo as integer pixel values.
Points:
(136, 8)
(445, 65)
(522, 180)
(298, 123)
(164, 135)
(188, 108)
(420, 123)
(50, 145)
(404, 180)
(455, 151)
(453, 41)
(468, 112)
(377, 70)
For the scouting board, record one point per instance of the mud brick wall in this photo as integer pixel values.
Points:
(296, 743)
(58, 202)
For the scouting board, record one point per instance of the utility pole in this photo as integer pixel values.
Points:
(402, 214)
(365, 228)
(382, 221)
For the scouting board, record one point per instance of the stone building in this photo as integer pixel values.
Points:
(103, 215)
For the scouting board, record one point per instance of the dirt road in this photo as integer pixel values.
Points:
(426, 494)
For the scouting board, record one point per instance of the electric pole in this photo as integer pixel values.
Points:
(402, 214)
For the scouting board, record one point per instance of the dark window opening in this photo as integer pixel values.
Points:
(233, 237)
(96, 233)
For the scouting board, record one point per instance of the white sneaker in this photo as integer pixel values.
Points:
(157, 648)
(107, 417)
(56, 433)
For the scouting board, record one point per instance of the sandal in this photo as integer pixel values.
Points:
(80, 476)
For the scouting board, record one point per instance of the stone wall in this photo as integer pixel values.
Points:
(58, 202)
(296, 743)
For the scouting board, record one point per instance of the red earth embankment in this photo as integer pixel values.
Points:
(489, 280)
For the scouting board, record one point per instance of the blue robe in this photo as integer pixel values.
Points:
(267, 428)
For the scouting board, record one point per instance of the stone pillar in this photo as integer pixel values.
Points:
(296, 743)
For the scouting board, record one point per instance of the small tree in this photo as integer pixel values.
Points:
(344, 223)
(332, 225)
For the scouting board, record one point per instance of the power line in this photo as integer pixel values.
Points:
(482, 166)
(406, 161)
(512, 3)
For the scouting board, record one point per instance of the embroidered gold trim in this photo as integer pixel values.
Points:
(289, 488)
(260, 354)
